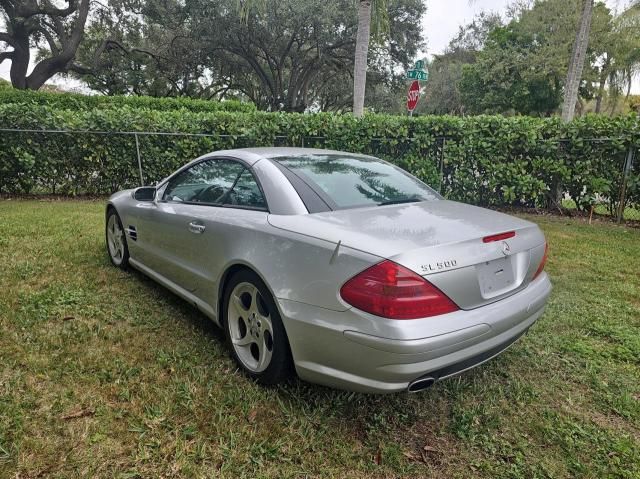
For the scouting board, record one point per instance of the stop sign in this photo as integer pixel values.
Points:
(413, 95)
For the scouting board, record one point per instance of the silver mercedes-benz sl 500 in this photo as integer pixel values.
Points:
(339, 267)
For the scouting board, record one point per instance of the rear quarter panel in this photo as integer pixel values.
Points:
(295, 267)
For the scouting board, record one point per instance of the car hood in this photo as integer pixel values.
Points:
(391, 230)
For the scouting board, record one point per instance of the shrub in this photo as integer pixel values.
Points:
(74, 101)
(486, 160)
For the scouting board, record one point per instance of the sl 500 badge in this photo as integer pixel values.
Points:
(439, 266)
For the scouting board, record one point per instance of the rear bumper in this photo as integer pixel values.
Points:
(355, 351)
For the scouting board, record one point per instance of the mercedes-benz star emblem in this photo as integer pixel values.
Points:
(506, 249)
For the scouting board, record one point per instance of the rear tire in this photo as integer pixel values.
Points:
(116, 239)
(254, 330)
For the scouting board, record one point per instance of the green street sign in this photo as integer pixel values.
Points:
(419, 65)
(417, 75)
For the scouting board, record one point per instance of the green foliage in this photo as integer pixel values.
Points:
(291, 55)
(521, 67)
(487, 160)
(442, 92)
(74, 101)
(503, 80)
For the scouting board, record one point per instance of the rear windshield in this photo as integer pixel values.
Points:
(350, 181)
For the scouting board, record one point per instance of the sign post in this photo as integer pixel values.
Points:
(417, 74)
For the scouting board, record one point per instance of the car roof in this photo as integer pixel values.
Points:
(251, 155)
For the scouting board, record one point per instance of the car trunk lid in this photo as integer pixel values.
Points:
(441, 240)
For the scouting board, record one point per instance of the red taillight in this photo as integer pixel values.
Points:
(499, 237)
(542, 263)
(395, 292)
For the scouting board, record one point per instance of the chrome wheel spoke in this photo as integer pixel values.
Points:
(265, 325)
(245, 341)
(254, 301)
(236, 303)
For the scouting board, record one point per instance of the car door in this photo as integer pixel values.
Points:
(198, 214)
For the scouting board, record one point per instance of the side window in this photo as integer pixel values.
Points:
(216, 182)
(246, 192)
(206, 182)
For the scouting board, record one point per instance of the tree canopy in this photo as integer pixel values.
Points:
(298, 55)
(289, 55)
(519, 65)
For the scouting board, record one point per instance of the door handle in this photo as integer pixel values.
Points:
(196, 228)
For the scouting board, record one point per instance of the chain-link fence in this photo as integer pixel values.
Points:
(593, 176)
(604, 180)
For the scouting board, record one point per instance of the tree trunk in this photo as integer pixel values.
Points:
(20, 60)
(603, 81)
(23, 30)
(576, 64)
(629, 84)
(599, 101)
(362, 50)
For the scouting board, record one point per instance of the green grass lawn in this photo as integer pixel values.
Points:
(105, 374)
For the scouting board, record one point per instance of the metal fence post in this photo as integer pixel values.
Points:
(444, 142)
(139, 159)
(625, 178)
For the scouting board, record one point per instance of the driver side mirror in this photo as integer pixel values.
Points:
(145, 193)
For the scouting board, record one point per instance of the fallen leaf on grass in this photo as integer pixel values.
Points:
(251, 417)
(378, 457)
(79, 413)
(68, 318)
(411, 456)
(427, 453)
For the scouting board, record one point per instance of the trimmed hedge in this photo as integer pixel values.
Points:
(487, 160)
(74, 101)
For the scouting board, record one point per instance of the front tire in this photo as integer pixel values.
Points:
(254, 330)
(117, 248)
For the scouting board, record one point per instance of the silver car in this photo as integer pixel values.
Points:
(339, 267)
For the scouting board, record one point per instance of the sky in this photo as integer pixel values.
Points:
(441, 23)
(443, 17)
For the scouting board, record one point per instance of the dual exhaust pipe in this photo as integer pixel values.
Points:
(421, 384)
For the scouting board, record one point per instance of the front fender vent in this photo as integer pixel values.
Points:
(132, 233)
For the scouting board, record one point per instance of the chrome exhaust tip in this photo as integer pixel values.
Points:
(421, 384)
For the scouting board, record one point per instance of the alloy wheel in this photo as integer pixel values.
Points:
(250, 327)
(115, 239)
